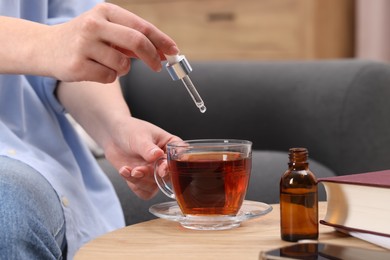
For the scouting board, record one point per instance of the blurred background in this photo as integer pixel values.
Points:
(271, 29)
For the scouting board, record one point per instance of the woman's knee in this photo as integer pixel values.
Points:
(31, 217)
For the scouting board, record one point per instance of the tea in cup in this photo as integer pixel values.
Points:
(208, 178)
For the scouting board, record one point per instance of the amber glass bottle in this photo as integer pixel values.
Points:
(298, 199)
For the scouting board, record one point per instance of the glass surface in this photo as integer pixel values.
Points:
(171, 211)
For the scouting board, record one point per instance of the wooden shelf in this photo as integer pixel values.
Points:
(253, 29)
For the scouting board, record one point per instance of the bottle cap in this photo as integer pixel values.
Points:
(178, 66)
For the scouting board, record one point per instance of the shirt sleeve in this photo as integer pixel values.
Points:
(60, 11)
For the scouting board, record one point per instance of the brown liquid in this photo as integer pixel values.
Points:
(210, 183)
(303, 208)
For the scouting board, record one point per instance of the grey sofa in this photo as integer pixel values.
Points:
(338, 109)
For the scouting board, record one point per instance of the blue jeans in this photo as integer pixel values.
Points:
(32, 223)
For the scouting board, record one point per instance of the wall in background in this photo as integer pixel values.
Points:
(373, 29)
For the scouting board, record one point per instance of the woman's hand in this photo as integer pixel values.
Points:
(134, 149)
(95, 46)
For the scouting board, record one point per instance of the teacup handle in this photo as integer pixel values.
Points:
(161, 182)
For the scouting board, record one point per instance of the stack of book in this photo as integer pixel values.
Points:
(359, 204)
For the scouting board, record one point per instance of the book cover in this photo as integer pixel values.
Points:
(359, 203)
(375, 179)
(379, 240)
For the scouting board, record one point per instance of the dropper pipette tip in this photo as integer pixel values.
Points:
(179, 68)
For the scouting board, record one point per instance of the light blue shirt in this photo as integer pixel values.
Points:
(35, 130)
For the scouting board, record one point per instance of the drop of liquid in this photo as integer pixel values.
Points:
(202, 109)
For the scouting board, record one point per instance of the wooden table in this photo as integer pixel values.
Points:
(162, 239)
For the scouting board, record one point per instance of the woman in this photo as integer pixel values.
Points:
(58, 57)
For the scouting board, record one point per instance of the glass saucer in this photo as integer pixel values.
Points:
(171, 211)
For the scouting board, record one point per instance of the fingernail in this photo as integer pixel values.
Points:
(137, 174)
(157, 66)
(125, 63)
(163, 174)
(124, 172)
(163, 170)
(174, 50)
(155, 151)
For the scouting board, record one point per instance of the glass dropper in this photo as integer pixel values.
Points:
(179, 68)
